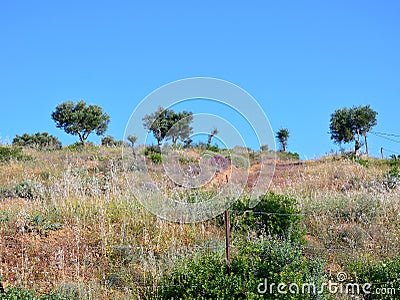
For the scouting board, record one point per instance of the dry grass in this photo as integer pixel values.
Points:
(84, 230)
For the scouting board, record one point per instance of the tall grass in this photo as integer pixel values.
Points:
(80, 229)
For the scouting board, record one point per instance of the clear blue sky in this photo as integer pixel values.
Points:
(299, 59)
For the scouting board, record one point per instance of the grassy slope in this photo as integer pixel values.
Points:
(83, 231)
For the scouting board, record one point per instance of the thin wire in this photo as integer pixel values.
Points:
(269, 213)
(387, 138)
(391, 150)
(388, 134)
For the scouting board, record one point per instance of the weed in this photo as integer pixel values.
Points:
(28, 189)
(12, 153)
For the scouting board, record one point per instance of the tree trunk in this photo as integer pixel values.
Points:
(82, 139)
(284, 147)
(366, 144)
(357, 145)
(209, 140)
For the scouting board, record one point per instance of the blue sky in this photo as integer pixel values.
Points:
(300, 60)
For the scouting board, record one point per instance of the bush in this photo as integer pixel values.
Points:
(155, 157)
(41, 225)
(28, 189)
(153, 153)
(382, 274)
(12, 153)
(213, 148)
(275, 214)
(77, 146)
(394, 161)
(288, 155)
(151, 149)
(204, 276)
(109, 141)
(22, 294)
(41, 141)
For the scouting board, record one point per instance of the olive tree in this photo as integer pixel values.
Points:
(351, 124)
(80, 119)
(167, 124)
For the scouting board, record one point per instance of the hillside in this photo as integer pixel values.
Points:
(68, 222)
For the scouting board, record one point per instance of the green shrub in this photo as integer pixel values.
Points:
(288, 155)
(12, 153)
(355, 158)
(41, 141)
(394, 161)
(151, 149)
(213, 148)
(204, 276)
(40, 224)
(361, 161)
(18, 293)
(77, 146)
(382, 274)
(153, 153)
(275, 214)
(188, 160)
(28, 189)
(155, 157)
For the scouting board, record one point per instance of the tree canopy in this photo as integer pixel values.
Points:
(81, 120)
(37, 140)
(350, 124)
(167, 124)
(110, 141)
(283, 135)
(132, 140)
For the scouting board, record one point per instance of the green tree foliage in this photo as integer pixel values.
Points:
(180, 129)
(37, 140)
(350, 124)
(132, 140)
(364, 119)
(109, 141)
(166, 123)
(81, 120)
(283, 135)
(341, 127)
